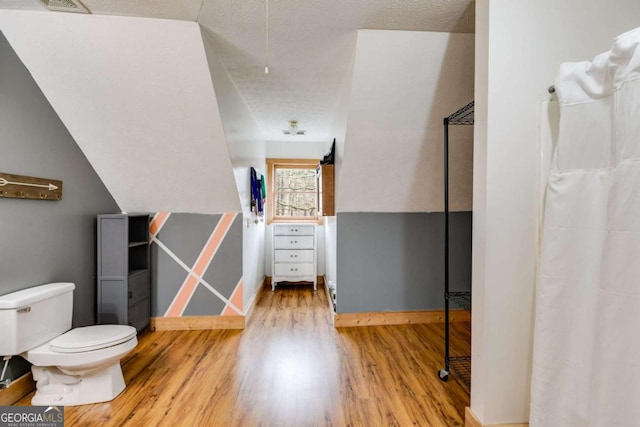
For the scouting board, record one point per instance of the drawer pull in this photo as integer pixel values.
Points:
(24, 310)
(130, 295)
(294, 269)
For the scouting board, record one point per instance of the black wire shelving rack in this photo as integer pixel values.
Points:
(460, 365)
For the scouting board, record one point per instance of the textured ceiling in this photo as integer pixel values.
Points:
(311, 45)
(186, 10)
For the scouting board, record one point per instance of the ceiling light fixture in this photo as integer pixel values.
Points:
(266, 30)
(293, 129)
(67, 6)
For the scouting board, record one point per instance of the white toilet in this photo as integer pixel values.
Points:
(70, 367)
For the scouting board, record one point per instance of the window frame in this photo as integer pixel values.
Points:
(272, 165)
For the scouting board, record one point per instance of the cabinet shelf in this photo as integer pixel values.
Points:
(133, 273)
(134, 244)
(461, 299)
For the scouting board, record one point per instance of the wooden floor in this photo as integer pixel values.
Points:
(289, 367)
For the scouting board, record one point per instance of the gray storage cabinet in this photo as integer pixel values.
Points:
(124, 281)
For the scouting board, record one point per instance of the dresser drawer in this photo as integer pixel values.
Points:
(293, 258)
(294, 230)
(305, 255)
(293, 270)
(293, 242)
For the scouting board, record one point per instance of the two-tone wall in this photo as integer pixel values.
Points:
(127, 117)
(196, 263)
(338, 131)
(390, 197)
(45, 241)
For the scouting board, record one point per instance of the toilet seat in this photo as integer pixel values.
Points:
(91, 338)
(45, 356)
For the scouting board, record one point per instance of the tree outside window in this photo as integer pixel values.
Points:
(293, 191)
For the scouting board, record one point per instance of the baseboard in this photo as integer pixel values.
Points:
(398, 318)
(192, 323)
(17, 390)
(328, 292)
(256, 299)
(470, 420)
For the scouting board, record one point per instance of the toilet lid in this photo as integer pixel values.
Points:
(92, 338)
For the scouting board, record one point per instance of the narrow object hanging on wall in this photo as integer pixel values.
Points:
(29, 187)
(257, 198)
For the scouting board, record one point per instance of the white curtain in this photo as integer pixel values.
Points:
(586, 361)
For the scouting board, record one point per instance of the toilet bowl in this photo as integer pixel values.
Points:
(70, 366)
(81, 366)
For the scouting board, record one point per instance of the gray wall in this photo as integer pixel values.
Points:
(45, 241)
(185, 235)
(395, 261)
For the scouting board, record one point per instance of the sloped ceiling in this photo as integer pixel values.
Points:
(310, 46)
(136, 95)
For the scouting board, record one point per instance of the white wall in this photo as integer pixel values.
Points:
(330, 251)
(136, 95)
(246, 149)
(519, 47)
(296, 149)
(404, 84)
(339, 124)
(338, 131)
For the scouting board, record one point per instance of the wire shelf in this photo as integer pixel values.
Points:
(461, 366)
(464, 116)
(461, 299)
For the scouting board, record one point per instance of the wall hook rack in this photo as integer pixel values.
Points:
(29, 187)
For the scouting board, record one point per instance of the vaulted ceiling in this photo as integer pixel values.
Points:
(311, 43)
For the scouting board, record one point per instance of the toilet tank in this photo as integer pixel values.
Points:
(33, 316)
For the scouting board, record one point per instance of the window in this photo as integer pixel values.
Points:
(292, 191)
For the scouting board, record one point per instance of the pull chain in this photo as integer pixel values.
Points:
(266, 28)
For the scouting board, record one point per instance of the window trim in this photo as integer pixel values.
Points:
(272, 164)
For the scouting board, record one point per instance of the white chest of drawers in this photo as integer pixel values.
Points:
(294, 254)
